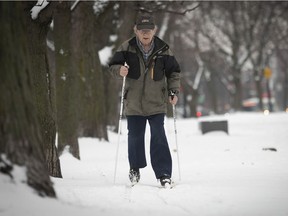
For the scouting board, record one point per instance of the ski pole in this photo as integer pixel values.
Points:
(175, 132)
(176, 140)
(120, 123)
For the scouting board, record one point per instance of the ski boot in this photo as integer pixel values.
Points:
(166, 181)
(134, 175)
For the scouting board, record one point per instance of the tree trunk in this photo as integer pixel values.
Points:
(66, 82)
(191, 103)
(259, 93)
(237, 97)
(211, 85)
(87, 64)
(21, 134)
(37, 33)
(285, 95)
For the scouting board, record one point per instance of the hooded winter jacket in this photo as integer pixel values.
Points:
(147, 84)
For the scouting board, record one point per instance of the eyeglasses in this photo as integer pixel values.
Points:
(145, 31)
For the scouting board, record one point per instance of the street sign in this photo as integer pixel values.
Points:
(267, 72)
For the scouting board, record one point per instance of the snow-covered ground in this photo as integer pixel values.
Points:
(221, 175)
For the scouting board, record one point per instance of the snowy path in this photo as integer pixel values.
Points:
(221, 175)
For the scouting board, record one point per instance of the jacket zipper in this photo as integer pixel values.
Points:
(152, 56)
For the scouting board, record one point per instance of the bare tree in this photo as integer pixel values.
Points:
(282, 56)
(21, 132)
(243, 34)
(281, 49)
(265, 35)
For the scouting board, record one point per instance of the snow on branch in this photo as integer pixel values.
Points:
(40, 5)
(74, 5)
(166, 10)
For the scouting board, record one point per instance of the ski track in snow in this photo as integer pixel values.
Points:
(222, 175)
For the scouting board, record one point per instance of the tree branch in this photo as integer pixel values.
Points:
(166, 10)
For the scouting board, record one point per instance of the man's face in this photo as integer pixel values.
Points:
(145, 35)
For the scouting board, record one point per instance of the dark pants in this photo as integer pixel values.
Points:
(159, 150)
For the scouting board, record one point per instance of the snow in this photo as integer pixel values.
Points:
(221, 174)
(40, 5)
(105, 54)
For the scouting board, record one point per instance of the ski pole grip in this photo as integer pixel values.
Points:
(172, 94)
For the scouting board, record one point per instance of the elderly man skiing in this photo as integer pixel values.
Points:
(152, 79)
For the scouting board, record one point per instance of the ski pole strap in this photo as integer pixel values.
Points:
(126, 65)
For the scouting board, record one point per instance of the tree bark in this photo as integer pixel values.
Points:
(237, 96)
(66, 82)
(37, 32)
(87, 63)
(259, 91)
(21, 134)
(191, 103)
